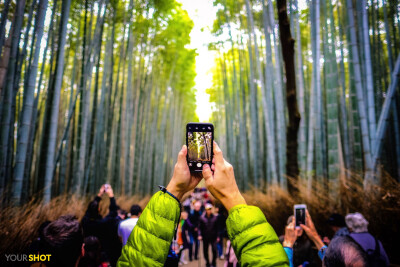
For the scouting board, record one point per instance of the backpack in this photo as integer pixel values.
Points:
(374, 256)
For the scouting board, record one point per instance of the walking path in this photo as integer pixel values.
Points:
(201, 262)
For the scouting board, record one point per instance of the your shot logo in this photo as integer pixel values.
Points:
(27, 257)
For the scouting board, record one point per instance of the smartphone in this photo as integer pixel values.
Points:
(300, 214)
(106, 186)
(199, 141)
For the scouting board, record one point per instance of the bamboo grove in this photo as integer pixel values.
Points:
(92, 92)
(347, 69)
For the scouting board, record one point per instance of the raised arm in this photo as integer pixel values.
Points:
(253, 239)
(149, 242)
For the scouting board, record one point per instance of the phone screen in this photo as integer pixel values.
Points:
(300, 216)
(200, 143)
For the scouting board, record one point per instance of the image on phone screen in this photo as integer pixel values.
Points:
(300, 216)
(199, 144)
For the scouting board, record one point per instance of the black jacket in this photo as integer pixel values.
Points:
(106, 230)
(209, 227)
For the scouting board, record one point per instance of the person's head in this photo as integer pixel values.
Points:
(136, 210)
(336, 221)
(208, 209)
(121, 213)
(344, 252)
(93, 210)
(356, 223)
(184, 215)
(63, 239)
(92, 252)
(197, 205)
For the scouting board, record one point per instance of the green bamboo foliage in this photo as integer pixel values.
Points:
(342, 82)
(107, 98)
(102, 69)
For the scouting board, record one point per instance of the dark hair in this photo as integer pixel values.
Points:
(336, 220)
(92, 252)
(63, 239)
(344, 252)
(135, 210)
(93, 210)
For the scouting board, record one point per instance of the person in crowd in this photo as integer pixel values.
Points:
(221, 221)
(183, 236)
(122, 214)
(343, 251)
(252, 237)
(208, 232)
(92, 256)
(230, 259)
(358, 227)
(105, 229)
(194, 219)
(187, 203)
(303, 249)
(35, 246)
(63, 239)
(338, 226)
(125, 227)
(312, 233)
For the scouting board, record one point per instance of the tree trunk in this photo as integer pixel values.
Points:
(292, 166)
(360, 96)
(53, 106)
(29, 95)
(7, 125)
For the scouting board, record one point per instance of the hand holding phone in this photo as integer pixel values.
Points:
(182, 180)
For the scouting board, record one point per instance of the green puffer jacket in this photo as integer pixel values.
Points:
(253, 239)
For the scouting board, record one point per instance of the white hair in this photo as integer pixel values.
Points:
(356, 222)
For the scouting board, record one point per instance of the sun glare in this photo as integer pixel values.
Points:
(203, 14)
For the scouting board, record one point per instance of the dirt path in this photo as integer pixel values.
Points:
(201, 262)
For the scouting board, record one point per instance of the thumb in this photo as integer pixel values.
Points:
(207, 173)
(182, 155)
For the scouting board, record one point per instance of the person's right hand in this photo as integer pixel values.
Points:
(290, 235)
(311, 232)
(222, 183)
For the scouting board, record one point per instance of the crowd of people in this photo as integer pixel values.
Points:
(171, 228)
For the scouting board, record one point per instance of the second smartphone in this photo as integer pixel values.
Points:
(199, 142)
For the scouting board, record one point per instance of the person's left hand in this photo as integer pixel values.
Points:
(101, 191)
(182, 180)
(290, 235)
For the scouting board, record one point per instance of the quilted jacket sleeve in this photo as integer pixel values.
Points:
(149, 242)
(253, 238)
